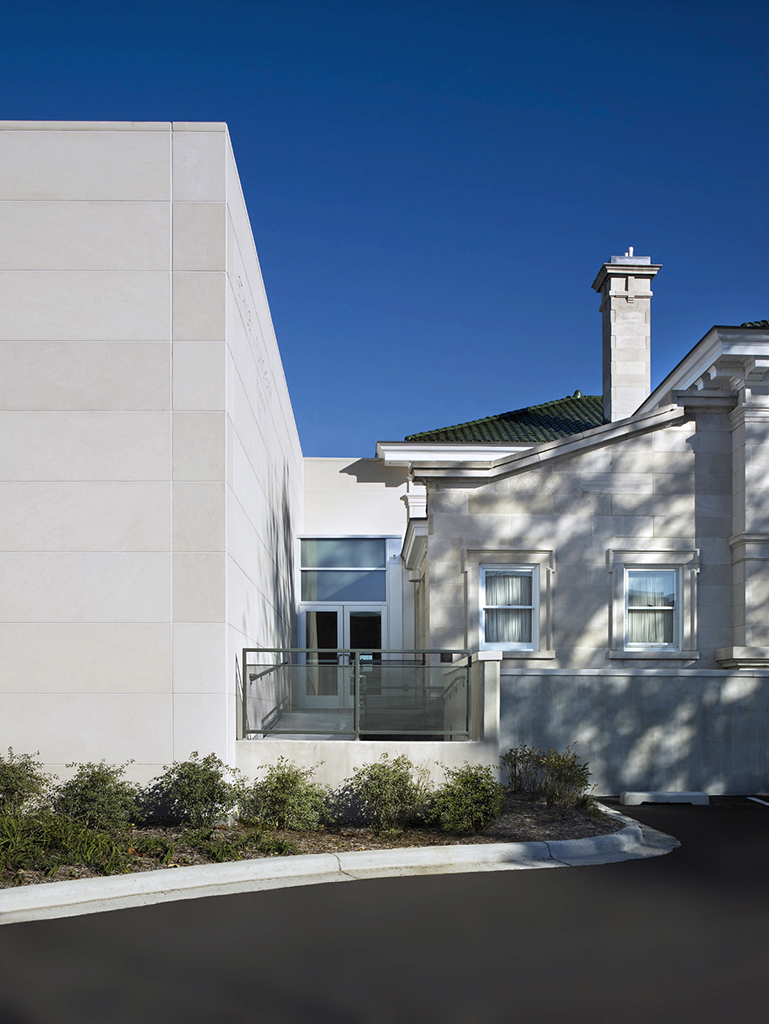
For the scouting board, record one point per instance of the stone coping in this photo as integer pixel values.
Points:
(117, 892)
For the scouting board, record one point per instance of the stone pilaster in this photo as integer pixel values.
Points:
(750, 520)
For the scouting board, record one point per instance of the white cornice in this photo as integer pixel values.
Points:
(630, 268)
(404, 453)
(738, 343)
(540, 454)
(415, 544)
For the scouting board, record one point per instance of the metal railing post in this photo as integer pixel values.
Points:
(356, 687)
(244, 706)
(469, 709)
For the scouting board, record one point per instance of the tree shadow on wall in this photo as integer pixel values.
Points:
(641, 727)
(269, 615)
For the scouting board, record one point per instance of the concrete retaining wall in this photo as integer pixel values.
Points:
(336, 760)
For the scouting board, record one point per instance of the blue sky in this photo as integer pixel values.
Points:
(434, 185)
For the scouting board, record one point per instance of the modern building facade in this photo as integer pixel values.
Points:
(594, 570)
(152, 478)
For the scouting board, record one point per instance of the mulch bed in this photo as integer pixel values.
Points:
(522, 820)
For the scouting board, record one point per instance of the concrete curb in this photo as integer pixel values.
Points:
(117, 892)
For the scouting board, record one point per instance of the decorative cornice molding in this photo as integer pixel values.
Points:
(748, 538)
(415, 544)
(405, 453)
(750, 412)
(416, 504)
(732, 343)
(705, 400)
(632, 268)
(532, 556)
(743, 657)
(550, 451)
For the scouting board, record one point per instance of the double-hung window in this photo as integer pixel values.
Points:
(654, 602)
(509, 600)
(651, 609)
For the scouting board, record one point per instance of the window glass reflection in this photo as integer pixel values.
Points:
(344, 553)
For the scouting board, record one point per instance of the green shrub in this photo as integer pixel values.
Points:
(392, 793)
(470, 800)
(195, 791)
(98, 797)
(217, 844)
(159, 847)
(22, 780)
(221, 844)
(566, 779)
(46, 841)
(286, 798)
(560, 778)
(272, 846)
(18, 845)
(523, 766)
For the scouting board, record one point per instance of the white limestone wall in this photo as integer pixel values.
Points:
(647, 722)
(750, 521)
(137, 533)
(265, 470)
(668, 489)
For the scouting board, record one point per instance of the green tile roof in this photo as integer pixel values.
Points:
(756, 323)
(532, 425)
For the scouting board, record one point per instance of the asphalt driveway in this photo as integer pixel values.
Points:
(677, 938)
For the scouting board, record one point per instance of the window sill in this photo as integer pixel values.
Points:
(656, 655)
(528, 655)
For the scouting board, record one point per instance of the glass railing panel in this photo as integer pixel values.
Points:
(419, 700)
(366, 694)
(298, 693)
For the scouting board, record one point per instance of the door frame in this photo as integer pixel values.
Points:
(344, 696)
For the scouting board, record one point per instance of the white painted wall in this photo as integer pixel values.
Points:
(150, 469)
(353, 497)
(364, 498)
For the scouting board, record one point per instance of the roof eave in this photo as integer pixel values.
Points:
(537, 455)
(719, 340)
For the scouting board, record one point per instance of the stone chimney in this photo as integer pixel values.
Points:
(625, 288)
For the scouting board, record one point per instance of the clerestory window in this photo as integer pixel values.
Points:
(344, 569)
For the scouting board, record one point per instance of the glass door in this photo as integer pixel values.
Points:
(327, 680)
(364, 627)
(326, 676)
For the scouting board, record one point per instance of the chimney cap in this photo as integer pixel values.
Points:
(632, 260)
(640, 267)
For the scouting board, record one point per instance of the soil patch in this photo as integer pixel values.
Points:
(522, 820)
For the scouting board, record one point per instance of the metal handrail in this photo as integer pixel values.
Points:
(350, 650)
(355, 663)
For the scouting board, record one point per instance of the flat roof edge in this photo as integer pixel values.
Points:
(113, 126)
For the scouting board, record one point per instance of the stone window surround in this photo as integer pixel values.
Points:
(544, 559)
(686, 562)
